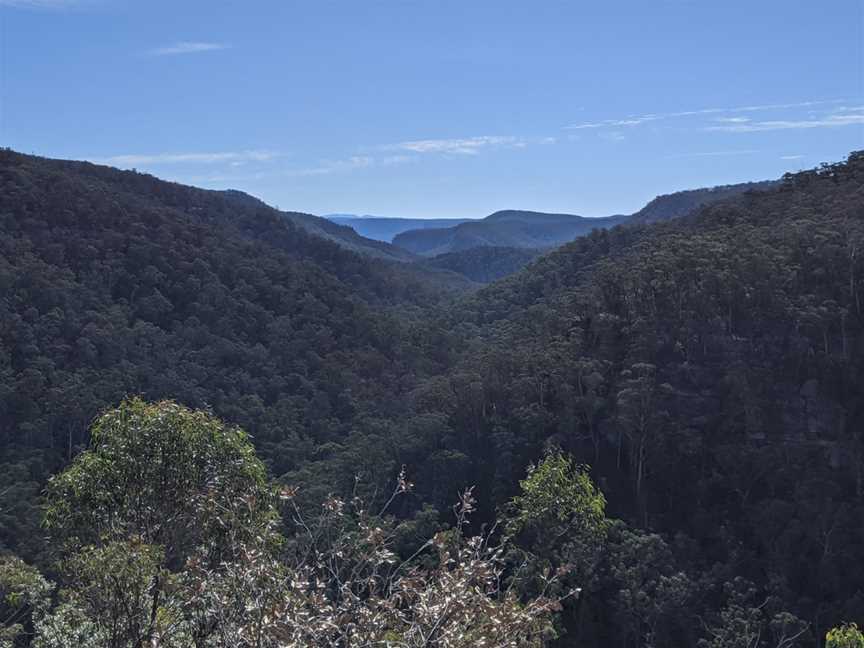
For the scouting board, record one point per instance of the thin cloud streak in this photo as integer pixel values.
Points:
(614, 136)
(189, 158)
(462, 146)
(352, 163)
(467, 145)
(187, 47)
(326, 167)
(635, 120)
(832, 121)
(713, 154)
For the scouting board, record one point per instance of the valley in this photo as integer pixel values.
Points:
(702, 359)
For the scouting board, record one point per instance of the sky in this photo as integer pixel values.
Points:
(437, 108)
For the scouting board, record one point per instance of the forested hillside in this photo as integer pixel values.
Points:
(681, 203)
(116, 283)
(484, 264)
(709, 370)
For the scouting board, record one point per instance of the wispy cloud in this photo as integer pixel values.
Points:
(467, 145)
(846, 109)
(352, 163)
(187, 47)
(391, 160)
(614, 136)
(459, 146)
(380, 157)
(714, 153)
(614, 123)
(332, 166)
(830, 121)
(323, 168)
(792, 157)
(189, 158)
(635, 120)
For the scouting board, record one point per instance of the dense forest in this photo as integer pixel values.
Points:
(115, 283)
(656, 429)
(485, 264)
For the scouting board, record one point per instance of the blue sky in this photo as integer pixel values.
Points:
(437, 108)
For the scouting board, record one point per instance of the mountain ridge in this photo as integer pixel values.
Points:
(383, 228)
(513, 228)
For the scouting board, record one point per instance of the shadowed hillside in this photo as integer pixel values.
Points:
(484, 264)
(115, 283)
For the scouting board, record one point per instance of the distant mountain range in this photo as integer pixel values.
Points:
(488, 249)
(540, 230)
(385, 229)
(519, 229)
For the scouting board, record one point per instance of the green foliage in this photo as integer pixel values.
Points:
(184, 555)
(121, 591)
(558, 498)
(67, 626)
(845, 636)
(750, 622)
(24, 596)
(164, 474)
(157, 516)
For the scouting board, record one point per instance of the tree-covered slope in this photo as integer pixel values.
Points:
(116, 283)
(342, 235)
(681, 203)
(710, 370)
(484, 264)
